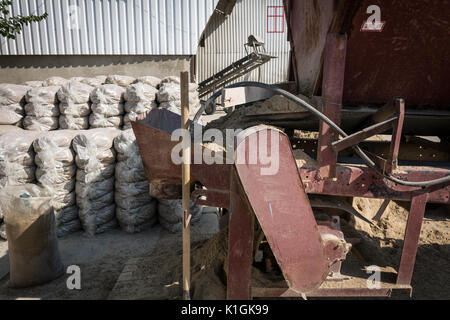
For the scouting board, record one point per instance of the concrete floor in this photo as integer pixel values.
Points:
(101, 260)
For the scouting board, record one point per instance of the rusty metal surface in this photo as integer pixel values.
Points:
(358, 181)
(409, 58)
(240, 243)
(411, 241)
(333, 81)
(155, 147)
(284, 213)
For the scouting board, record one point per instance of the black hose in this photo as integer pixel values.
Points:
(325, 119)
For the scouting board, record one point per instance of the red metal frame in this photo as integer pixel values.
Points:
(275, 17)
(332, 89)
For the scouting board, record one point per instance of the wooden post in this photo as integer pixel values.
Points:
(186, 183)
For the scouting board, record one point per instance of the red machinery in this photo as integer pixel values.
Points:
(309, 251)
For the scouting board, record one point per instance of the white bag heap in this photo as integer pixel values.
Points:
(33, 84)
(17, 158)
(169, 96)
(95, 159)
(54, 81)
(12, 100)
(107, 106)
(140, 98)
(42, 110)
(75, 106)
(94, 82)
(16, 161)
(149, 80)
(170, 214)
(56, 172)
(136, 210)
(123, 81)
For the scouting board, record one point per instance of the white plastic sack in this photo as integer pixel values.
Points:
(151, 81)
(54, 81)
(10, 114)
(93, 82)
(68, 122)
(12, 93)
(107, 94)
(41, 110)
(108, 110)
(43, 95)
(75, 109)
(33, 84)
(75, 92)
(97, 120)
(30, 227)
(138, 219)
(9, 128)
(123, 81)
(40, 123)
(140, 92)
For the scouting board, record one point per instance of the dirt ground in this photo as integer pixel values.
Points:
(155, 257)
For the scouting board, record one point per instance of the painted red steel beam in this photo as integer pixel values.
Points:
(332, 91)
(411, 242)
(355, 181)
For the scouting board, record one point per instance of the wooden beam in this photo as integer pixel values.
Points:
(186, 185)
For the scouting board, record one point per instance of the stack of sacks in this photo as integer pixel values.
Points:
(94, 82)
(17, 158)
(151, 81)
(140, 98)
(107, 106)
(123, 81)
(56, 171)
(12, 98)
(136, 210)
(74, 105)
(171, 214)
(42, 111)
(33, 84)
(169, 96)
(95, 159)
(54, 81)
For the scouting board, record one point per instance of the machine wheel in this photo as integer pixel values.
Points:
(210, 108)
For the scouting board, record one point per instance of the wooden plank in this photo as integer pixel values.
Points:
(186, 185)
(237, 96)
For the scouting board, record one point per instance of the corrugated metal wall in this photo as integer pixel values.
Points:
(225, 38)
(96, 27)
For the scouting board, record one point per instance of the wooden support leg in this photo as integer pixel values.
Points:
(412, 234)
(396, 135)
(240, 245)
(332, 91)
